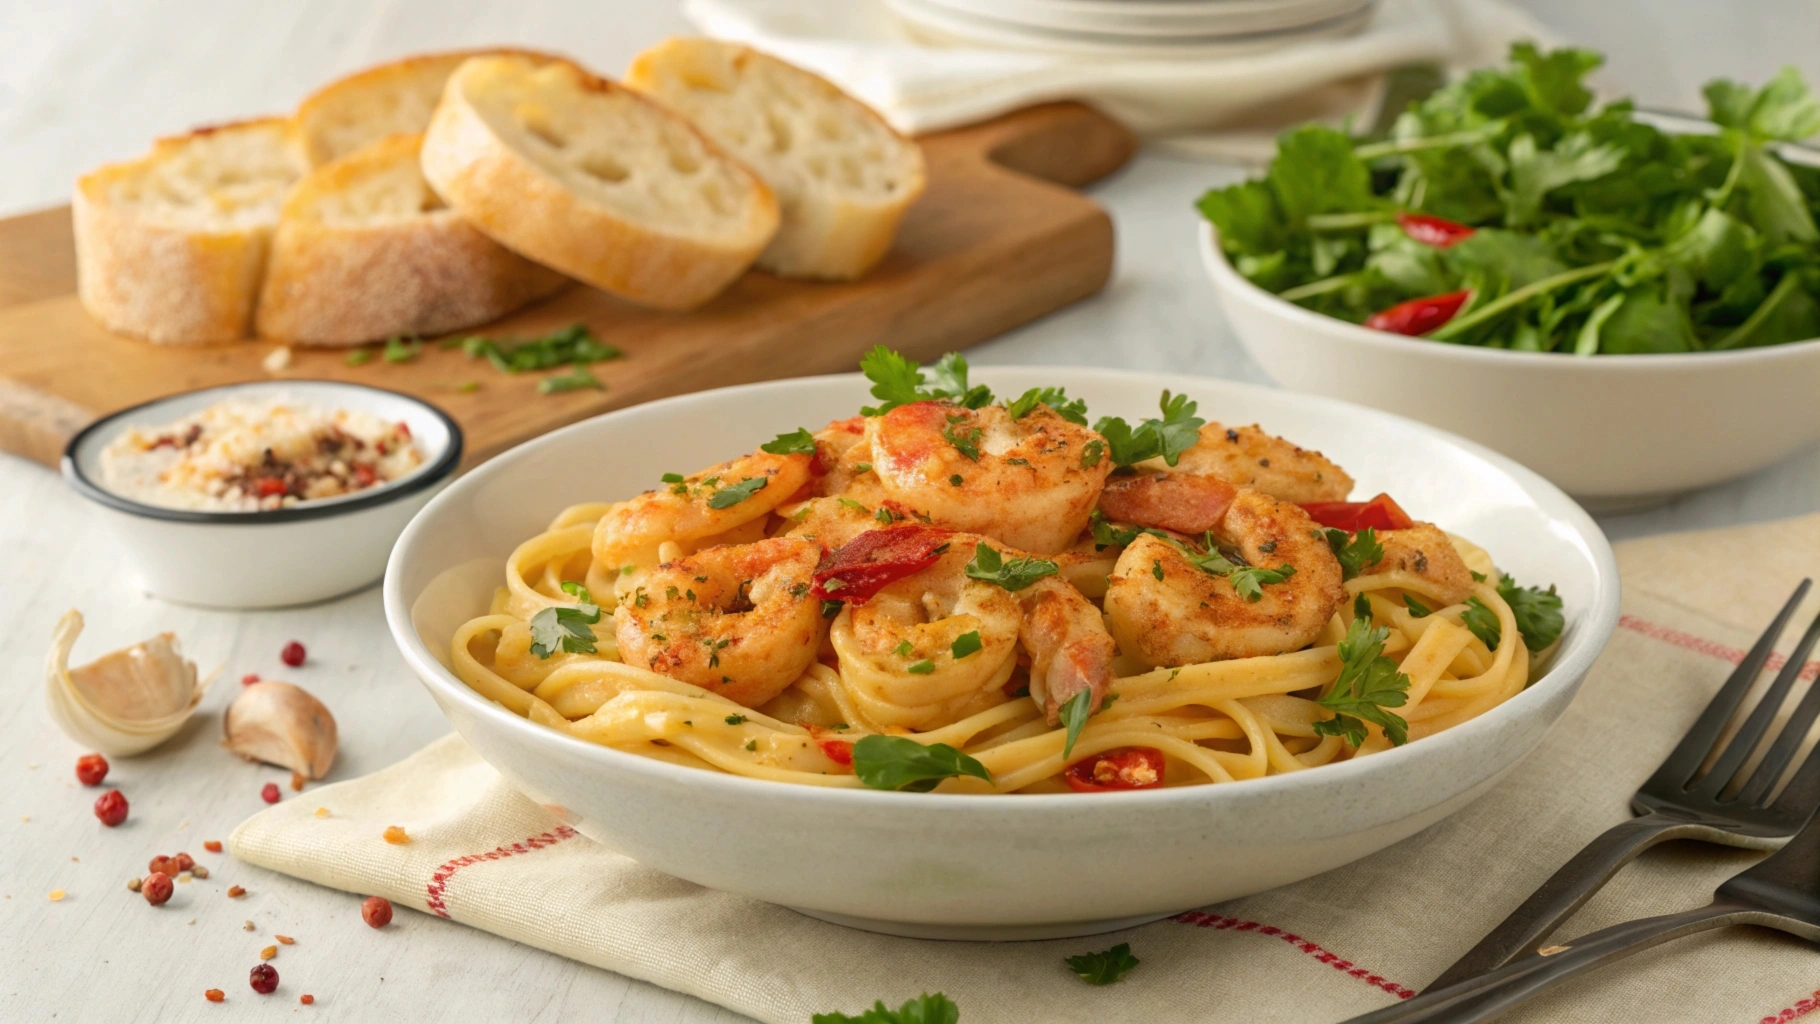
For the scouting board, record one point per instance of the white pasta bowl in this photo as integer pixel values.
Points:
(1616, 432)
(270, 559)
(991, 867)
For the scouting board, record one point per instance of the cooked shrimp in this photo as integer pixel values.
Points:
(1069, 647)
(684, 512)
(738, 620)
(1183, 502)
(1165, 610)
(1249, 457)
(841, 456)
(1424, 559)
(1029, 483)
(832, 522)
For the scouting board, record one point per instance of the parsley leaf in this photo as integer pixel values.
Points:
(563, 628)
(735, 719)
(924, 1009)
(578, 377)
(921, 668)
(1165, 438)
(1483, 622)
(1074, 410)
(901, 763)
(898, 381)
(950, 373)
(572, 345)
(1537, 611)
(733, 494)
(1074, 715)
(400, 350)
(1355, 552)
(359, 356)
(797, 442)
(965, 644)
(1092, 452)
(1015, 575)
(1416, 608)
(1368, 683)
(1247, 580)
(1105, 535)
(966, 441)
(1103, 968)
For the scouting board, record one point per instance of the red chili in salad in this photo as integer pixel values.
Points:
(1419, 316)
(1436, 231)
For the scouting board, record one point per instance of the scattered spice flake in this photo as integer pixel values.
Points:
(306, 999)
(249, 679)
(199, 871)
(376, 911)
(91, 769)
(110, 807)
(156, 888)
(247, 926)
(293, 654)
(285, 939)
(278, 360)
(396, 836)
(234, 893)
(212, 845)
(184, 861)
(322, 812)
(268, 952)
(55, 895)
(214, 995)
(269, 793)
(264, 979)
(162, 865)
(133, 884)
(297, 782)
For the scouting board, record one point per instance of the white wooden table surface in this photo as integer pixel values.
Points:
(85, 81)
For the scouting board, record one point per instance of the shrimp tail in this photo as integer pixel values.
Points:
(1081, 664)
(1069, 647)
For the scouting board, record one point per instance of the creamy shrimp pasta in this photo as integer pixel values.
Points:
(979, 594)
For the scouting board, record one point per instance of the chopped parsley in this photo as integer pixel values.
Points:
(856, 506)
(956, 480)
(830, 609)
(901, 763)
(359, 356)
(735, 719)
(924, 1009)
(965, 644)
(898, 381)
(1416, 608)
(1074, 410)
(672, 478)
(1103, 968)
(733, 494)
(886, 516)
(1092, 452)
(903, 649)
(862, 467)
(1483, 622)
(398, 349)
(574, 344)
(797, 442)
(1156, 569)
(566, 629)
(1368, 683)
(1015, 575)
(1247, 580)
(1537, 611)
(966, 441)
(1165, 438)
(1074, 716)
(752, 746)
(950, 373)
(921, 668)
(578, 377)
(1356, 553)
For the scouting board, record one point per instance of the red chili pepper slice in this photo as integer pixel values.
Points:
(1419, 316)
(838, 751)
(1116, 769)
(1436, 231)
(876, 559)
(268, 486)
(1380, 513)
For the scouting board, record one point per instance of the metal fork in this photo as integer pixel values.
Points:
(1781, 892)
(1674, 805)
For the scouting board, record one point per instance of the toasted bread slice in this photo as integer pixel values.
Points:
(365, 250)
(390, 99)
(591, 178)
(842, 177)
(171, 247)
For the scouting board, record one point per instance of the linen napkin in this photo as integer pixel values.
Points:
(920, 86)
(1348, 941)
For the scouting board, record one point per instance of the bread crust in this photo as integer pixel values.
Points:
(330, 282)
(527, 208)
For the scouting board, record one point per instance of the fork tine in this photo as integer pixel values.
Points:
(1678, 768)
(1754, 727)
(1756, 790)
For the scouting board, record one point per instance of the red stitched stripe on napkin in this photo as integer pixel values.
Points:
(440, 880)
(1701, 645)
(1201, 920)
(1800, 1009)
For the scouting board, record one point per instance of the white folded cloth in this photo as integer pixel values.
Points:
(921, 87)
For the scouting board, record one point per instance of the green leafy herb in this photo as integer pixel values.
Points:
(735, 719)
(950, 379)
(1247, 580)
(921, 668)
(924, 1009)
(573, 344)
(577, 378)
(1074, 410)
(903, 649)
(1416, 608)
(965, 644)
(1014, 575)
(672, 478)
(1166, 438)
(1368, 683)
(1103, 968)
(359, 356)
(1074, 713)
(901, 763)
(1092, 452)
(398, 349)
(966, 441)
(898, 381)
(733, 494)
(1537, 611)
(1483, 622)
(1356, 552)
(797, 442)
(830, 609)
(566, 629)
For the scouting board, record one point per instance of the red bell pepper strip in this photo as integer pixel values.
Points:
(1436, 231)
(838, 751)
(1419, 316)
(1116, 769)
(1380, 513)
(876, 559)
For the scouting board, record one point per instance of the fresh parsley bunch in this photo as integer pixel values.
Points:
(1368, 684)
(1580, 228)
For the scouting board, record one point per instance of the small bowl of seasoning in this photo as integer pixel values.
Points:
(264, 494)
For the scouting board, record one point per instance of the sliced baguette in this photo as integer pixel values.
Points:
(842, 177)
(591, 178)
(365, 250)
(390, 99)
(171, 247)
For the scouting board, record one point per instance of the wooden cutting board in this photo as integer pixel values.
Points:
(997, 240)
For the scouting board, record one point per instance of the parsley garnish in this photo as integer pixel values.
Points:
(1368, 683)
(1156, 569)
(967, 441)
(901, 763)
(903, 649)
(1074, 715)
(1103, 968)
(672, 478)
(735, 719)
(1247, 580)
(830, 609)
(898, 381)
(857, 506)
(572, 344)
(399, 350)
(956, 480)
(1356, 553)
(1074, 410)
(1416, 608)
(921, 668)
(752, 746)
(1166, 438)
(1105, 535)
(924, 1009)
(578, 377)
(950, 374)
(797, 442)
(733, 494)
(563, 628)
(1483, 622)
(1537, 611)
(359, 356)
(886, 516)
(1477, 577)
(1015, 575)
(1092, 452)
(965, 644)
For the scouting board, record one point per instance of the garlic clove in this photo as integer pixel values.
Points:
(125, 702)
(281, 724)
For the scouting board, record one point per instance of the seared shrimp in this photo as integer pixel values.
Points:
(1166, 610)
(685, 512)
(1069, 647)
(1029, 483)
(841, 456)
(1249, 457)
(832, 522)
(1426, 559)
(738, 620)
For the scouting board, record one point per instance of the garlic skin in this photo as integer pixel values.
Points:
(281, 724)
(125, 702)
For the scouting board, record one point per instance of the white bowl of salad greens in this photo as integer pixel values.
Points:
(1626, 302)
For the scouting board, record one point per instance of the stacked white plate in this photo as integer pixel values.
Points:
(1127, 28)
